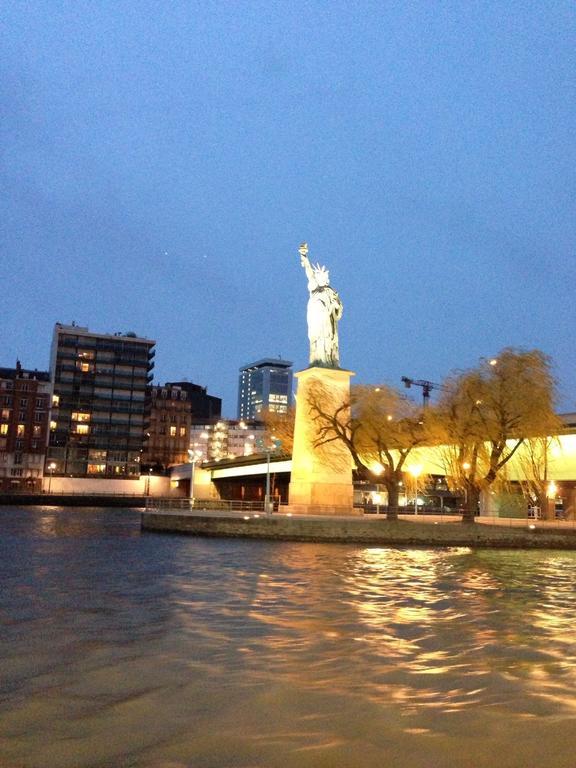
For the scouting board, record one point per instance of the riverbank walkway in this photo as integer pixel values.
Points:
(408, 530)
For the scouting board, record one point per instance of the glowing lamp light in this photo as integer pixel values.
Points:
(415, 470)
(551, 490)
(376, 468)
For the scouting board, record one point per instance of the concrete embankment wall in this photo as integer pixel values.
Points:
(360, 531)
(71, 500)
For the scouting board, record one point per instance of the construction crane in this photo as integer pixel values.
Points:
(427, 387)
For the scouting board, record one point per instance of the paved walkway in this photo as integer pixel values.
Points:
(507, 522)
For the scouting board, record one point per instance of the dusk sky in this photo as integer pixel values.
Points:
(162, 162)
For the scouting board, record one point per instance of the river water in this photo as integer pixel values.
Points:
(122, 648)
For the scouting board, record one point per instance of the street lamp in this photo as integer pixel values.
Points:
(268, 447)
(51, 468)
(194, 456)
(466, 466)
(415, 470)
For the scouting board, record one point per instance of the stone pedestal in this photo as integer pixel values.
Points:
(321, 478)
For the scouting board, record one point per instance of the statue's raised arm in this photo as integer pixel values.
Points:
(305, 261)
(324, 311)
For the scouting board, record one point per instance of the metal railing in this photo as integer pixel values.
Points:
(171, 504)
(445, 514)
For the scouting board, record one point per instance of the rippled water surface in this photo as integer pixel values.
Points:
(129, 649)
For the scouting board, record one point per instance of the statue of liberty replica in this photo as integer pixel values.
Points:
(324, 312)
(321, 473)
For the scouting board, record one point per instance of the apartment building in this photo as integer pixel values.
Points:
(99, 409)
(25, 397)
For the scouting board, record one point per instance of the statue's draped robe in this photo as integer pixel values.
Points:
(324, 311)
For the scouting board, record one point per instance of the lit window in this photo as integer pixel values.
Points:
(52, 426)
(3, 429)
(55, 400)
(81, 429)
(37, 430)
(5, 413)
(172, 431)
(96, 469)
(182, 431)
(77, 416)
(20, 430)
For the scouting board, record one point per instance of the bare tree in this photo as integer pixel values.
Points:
(379, 426)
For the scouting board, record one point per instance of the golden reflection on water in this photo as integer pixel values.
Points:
(167, 651)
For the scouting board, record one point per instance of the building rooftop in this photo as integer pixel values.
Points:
(23, 373)
(266, 362)
(80, 330)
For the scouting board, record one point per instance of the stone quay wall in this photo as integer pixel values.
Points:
(359, 531)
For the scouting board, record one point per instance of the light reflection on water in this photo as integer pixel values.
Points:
(121, 649)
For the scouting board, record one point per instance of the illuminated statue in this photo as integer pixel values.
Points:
(324, 311)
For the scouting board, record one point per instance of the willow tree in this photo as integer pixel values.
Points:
(281, 427)
(379, 426)
(487, 413)
(533, 462)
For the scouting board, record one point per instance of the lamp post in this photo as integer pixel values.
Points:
(269, 448)
(51, 468)
(415, 470)
(148, 481)
(267, 509)
(194, 456)
(466, 466)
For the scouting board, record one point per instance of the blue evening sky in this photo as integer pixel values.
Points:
(162, 161)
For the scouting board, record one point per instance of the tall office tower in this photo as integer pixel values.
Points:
(24, 414)
(99, 406)
(264, 385)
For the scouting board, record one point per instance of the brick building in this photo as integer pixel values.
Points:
(25, 398)
(173, 408)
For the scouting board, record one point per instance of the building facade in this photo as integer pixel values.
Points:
(264, 385)
(25, 398)
(173, 407)
(99, 410)
(225, 438)
(202, 405)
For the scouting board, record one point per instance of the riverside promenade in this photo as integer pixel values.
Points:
(421, 531)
